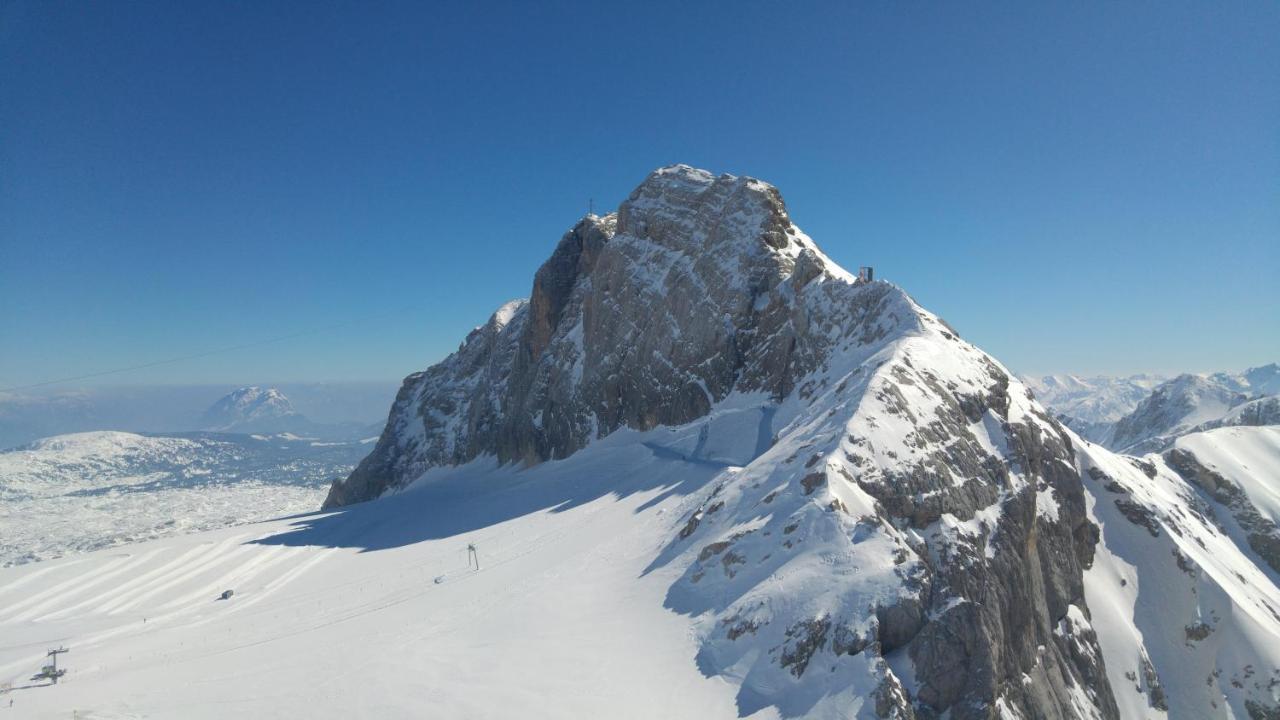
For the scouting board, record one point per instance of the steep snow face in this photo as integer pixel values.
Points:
(252, 409)
(74, 493)
(1173, 408)
(1239, 468)
(1096, 400)
(1188, 622)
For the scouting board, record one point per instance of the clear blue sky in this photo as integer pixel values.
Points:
(1089, 187)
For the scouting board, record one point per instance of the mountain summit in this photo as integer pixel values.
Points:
(892, 526)
(252, 409)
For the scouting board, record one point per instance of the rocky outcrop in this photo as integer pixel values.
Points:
(941, 508)
(1261, 532)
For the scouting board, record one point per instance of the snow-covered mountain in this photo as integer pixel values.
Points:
(895, 509)
(1144, 413)
(75, 493)
(1095, 400)
(1257, 381)
(266, 410)
(1198, 402)
(708, 473)
(253, 409)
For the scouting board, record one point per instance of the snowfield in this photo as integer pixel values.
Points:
(373, 612)
(580, 606)
(85, 491)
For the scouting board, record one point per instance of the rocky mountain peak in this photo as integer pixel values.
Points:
(887, 524)
(875, 437)
(698, 287)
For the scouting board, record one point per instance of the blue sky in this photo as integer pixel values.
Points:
(1086, 187)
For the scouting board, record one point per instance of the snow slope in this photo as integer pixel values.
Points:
(1188, 622)
(80, 492)
(1248, 456)
(372, 612)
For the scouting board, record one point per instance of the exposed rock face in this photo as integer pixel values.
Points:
(899, 529)
(638, 319)
(942, 519)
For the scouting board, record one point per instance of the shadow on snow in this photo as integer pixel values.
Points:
(453, 501)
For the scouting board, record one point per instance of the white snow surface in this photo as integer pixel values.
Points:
(1153, 589)
(1246, 456)
(74, 493)
(373, 612)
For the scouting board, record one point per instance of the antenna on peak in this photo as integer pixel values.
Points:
(591, 206)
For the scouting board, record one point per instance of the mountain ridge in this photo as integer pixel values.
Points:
(897, 529)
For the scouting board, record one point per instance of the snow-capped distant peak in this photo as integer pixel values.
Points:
(1098, 399)
(252, 408)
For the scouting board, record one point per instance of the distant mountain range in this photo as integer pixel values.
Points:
(1095, 399)
(1140, 413)
(25, 417)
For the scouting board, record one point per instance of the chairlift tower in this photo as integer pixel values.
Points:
(473, 555)
(51, 670)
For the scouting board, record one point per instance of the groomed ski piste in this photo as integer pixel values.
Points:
(375, 612)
